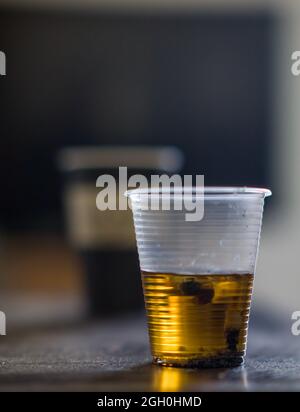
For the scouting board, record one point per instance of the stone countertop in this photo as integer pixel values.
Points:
(113, 355)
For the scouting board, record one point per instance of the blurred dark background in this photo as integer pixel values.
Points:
(200, 81)
(212, 79)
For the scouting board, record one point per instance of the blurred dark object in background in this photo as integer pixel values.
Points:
(105, 240)
(199, 81)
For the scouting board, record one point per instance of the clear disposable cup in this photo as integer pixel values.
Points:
(198, 275)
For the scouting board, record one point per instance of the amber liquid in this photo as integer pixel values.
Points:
(197, 320)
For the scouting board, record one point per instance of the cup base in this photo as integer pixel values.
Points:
(202, 363)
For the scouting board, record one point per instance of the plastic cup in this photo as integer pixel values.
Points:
(198, 275)
(104, 240)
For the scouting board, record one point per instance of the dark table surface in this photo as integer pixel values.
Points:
(113, 355)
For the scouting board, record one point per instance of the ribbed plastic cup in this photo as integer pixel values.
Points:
(198, 275)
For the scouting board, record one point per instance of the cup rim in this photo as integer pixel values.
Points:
(209, 191)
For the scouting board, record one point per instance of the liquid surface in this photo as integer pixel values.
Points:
(197, 320)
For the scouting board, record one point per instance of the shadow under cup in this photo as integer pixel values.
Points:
(198, 275)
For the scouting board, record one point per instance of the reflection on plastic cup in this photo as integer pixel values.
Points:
(198, 276)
